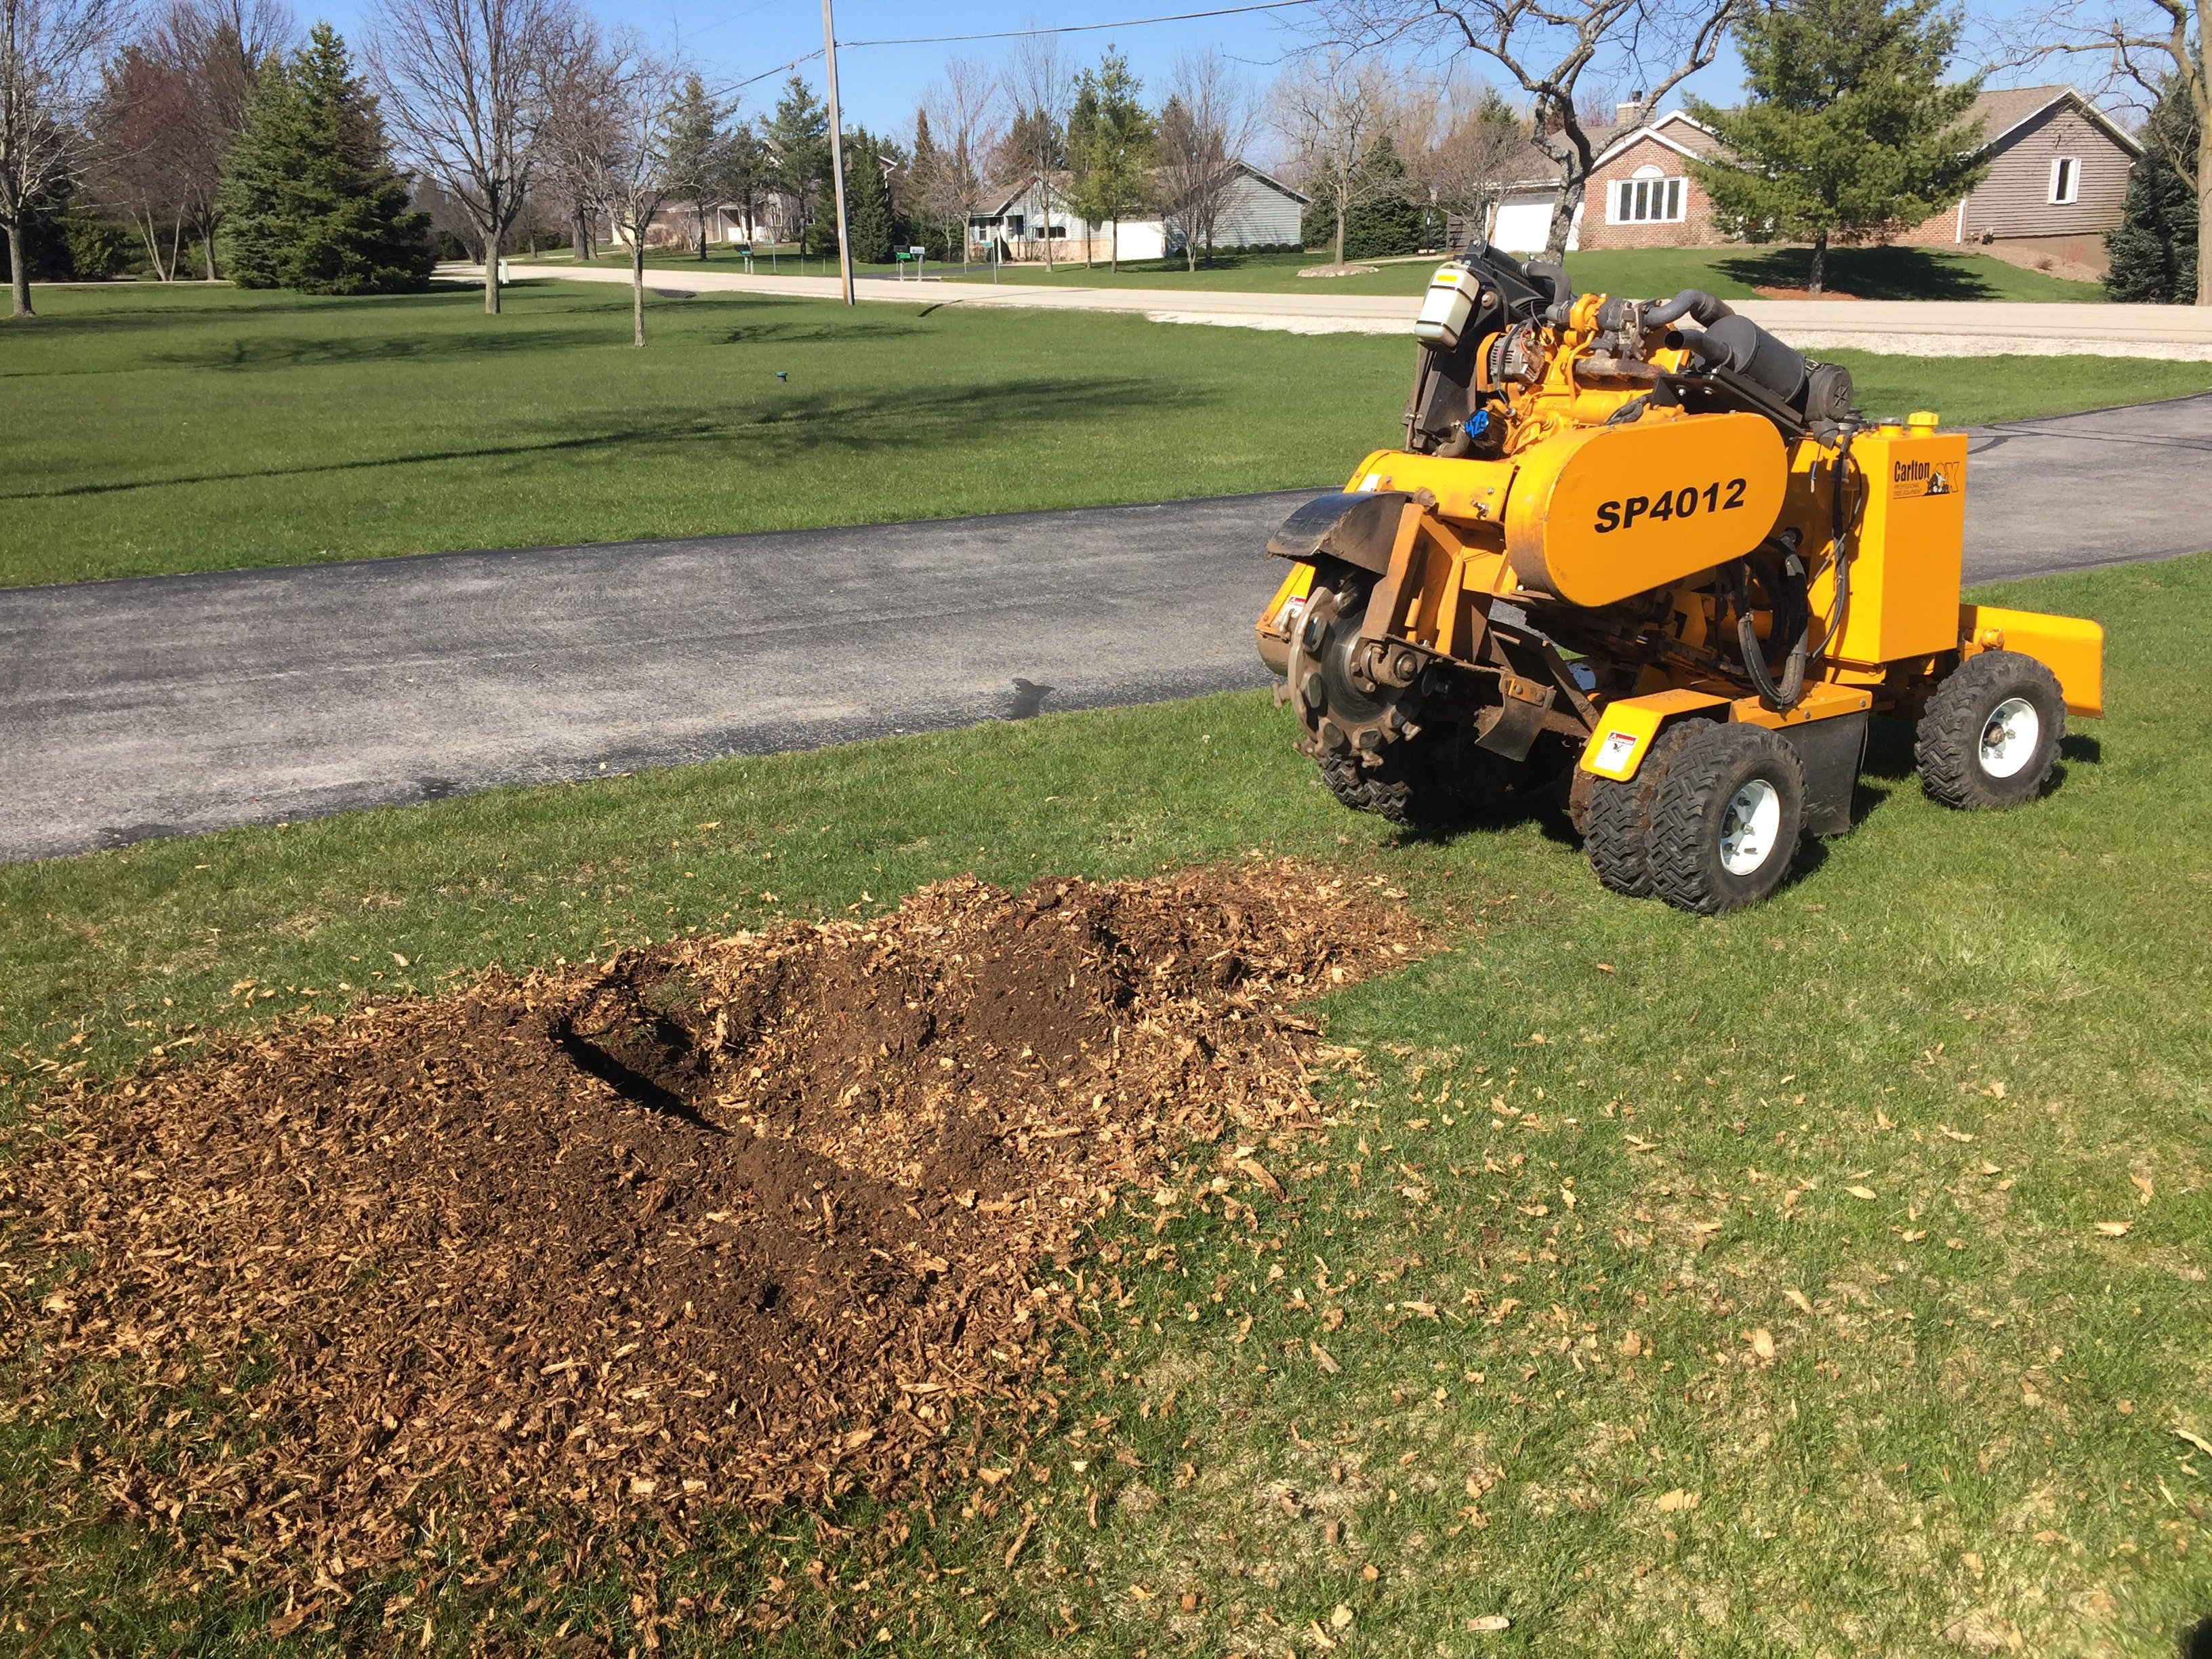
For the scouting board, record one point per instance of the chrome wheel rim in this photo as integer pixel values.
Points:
(1749, 825)
(2010, 736)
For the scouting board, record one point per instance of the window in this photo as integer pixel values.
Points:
(1648, 197)
(2066, 179)
(1014, 225)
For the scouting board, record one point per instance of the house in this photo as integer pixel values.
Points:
(2057, 179)
(1261, 212)
(676, 224)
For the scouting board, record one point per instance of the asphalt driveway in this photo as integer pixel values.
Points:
(165, 704)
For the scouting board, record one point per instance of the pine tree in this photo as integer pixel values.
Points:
(1850, 133)
(799, 134)
(698, 153)
(310, 198)
(2154, 252)
(922, 172)
(1385, 219)
(1109, 146)
(867, 201)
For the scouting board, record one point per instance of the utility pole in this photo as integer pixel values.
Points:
(837, 154)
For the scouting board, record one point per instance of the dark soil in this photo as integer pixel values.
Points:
(725, 1223)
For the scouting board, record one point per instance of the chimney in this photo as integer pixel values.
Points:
(1630, 113)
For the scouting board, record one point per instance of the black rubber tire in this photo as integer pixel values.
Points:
(1616, 817)
(1947, 747)
(1691, 813)
(1402, 788)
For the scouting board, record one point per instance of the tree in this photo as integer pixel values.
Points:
(1198, 158)
(698, 152)
(49, 53)
(963, 104)
(1849, 133)
(1546, 46)
(2155, 50)
(311, 198)
(465, 81)
(171, 104)
(1110, 136)
(1040, 86)
(644, 108)
(577, 139)
(2155, 252)
(1330, 111)
(871, 228)
(1485, 149)
(1387, 221)
(798, 138)
(746, 172)
(132, 167)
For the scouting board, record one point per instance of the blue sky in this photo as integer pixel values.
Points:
(734, 39)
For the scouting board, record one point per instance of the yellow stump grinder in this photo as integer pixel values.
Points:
(1649, 538)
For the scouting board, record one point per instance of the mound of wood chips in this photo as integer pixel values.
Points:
(725, 1223)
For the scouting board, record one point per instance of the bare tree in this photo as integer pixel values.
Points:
(1206, 127)
(464, 81)
(1547, 47)
(577, 136)
(133, 169)
(1040, 86)
(2147, 45)
(1484, 150)
(1329, 111)
(643, 111)
(218, 47)
(50, 62)
(964, 113)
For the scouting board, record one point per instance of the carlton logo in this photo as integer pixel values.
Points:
(1908, 479)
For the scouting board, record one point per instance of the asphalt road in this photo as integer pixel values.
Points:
(164, 705)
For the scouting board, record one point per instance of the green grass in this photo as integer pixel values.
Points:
(1732, 273)
(1994, 1024)
(156, 430)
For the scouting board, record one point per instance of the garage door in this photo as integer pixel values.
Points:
(1524, 226)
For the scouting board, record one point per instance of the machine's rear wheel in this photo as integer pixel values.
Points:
(1617, 818)
(1726, 818)
(1990, 737)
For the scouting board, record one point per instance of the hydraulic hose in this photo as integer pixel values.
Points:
(1792, 620)
(1841, 541)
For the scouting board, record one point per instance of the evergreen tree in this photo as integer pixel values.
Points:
(1849, 132)
(698, 154)
(310, 198)
(1384, 219)
(868, 200)
(924, 173)
(2154, 252)
(1109, 146)
(798, 134)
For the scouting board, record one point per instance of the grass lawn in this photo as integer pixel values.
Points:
(155, 431)
(1732, 273)
(1798, 1328)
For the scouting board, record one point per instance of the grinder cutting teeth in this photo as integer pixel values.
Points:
(1352, 695)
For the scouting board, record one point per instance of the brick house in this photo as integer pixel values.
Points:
(2057, 179)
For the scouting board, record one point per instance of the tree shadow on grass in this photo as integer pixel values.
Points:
(282, 352)
(1869, 273)
(919, 423)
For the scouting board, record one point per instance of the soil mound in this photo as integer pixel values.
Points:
(722, 1223)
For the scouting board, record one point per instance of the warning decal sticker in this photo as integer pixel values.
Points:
(1911, 479)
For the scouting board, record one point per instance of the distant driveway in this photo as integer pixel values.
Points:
(1938, 328)
(166, 704)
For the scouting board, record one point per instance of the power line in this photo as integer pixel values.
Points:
(1014, 34)
(1077, 28)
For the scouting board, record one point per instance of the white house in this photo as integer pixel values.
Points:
(1261, 212)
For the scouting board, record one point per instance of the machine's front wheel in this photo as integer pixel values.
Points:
(1726, 818)
(1617, 818)
(1990, 737)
